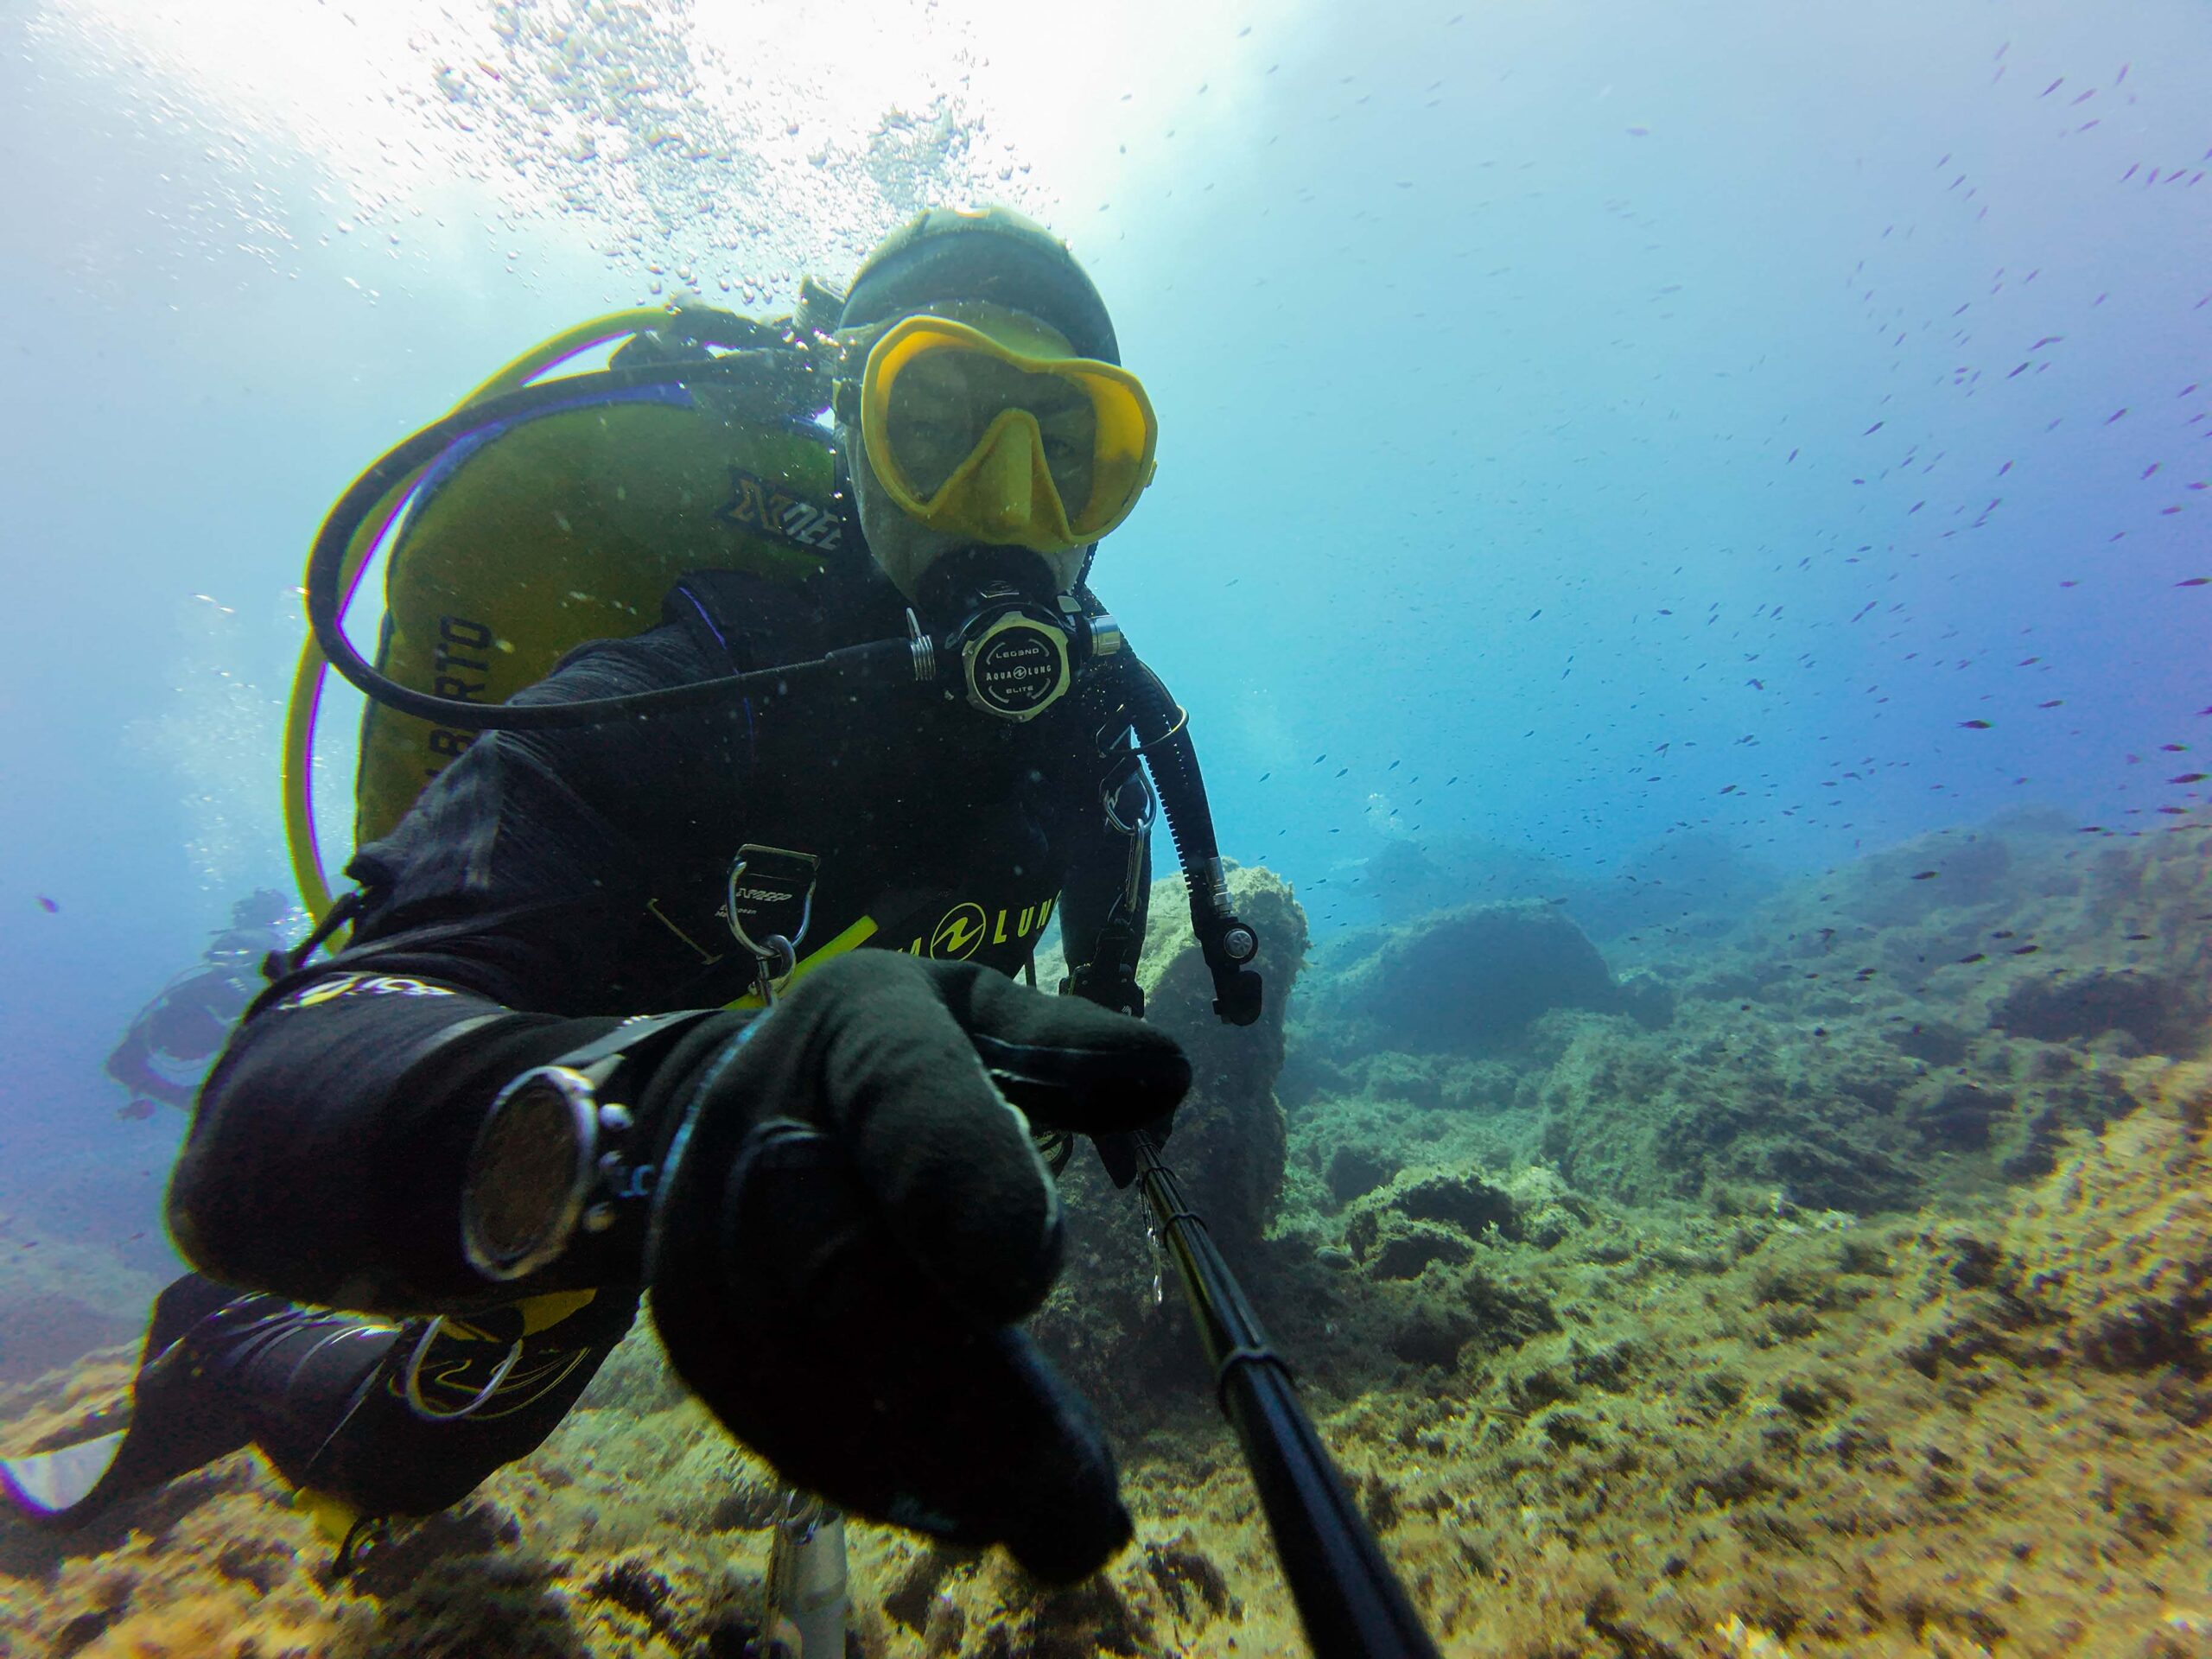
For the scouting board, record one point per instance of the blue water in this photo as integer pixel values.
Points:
(1581, 425)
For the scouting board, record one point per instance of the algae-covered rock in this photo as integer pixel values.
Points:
(1228, 1144)
(2117, 1244)
(1469, 981)
(1354, 1170)
(1638, 1118)
(1425, 1215)
(1648, 1393)
(1127, 1343)
(2160, 1014)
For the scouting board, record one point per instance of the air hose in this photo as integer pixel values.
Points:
(749, 371)
(1163, 739)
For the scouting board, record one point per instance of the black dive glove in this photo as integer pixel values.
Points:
(849, 1220)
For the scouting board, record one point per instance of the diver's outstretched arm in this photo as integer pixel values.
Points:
(327, 1158)
(325, 1161)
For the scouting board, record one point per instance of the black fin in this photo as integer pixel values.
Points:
(183, 1305)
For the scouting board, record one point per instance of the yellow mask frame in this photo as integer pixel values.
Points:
(1007, 489)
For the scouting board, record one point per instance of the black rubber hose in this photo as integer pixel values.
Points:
(1238, 989)
(1174, 765)
(751, 371)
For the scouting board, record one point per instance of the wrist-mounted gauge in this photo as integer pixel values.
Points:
(558, 1154)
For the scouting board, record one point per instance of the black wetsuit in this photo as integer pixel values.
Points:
(544, 886)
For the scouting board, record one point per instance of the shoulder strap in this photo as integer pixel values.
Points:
(748, 619)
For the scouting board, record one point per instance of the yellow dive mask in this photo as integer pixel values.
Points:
(989, 431)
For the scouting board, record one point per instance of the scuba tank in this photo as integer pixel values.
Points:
(540, 514)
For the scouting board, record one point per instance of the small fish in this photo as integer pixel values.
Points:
(1342, 770)
(2138, 936)
(1265, 776)
(2054, 704)
(2193, 581)
(1974, 725)
(1872, 430)
(2003, 933)
(138, 1109)
(2006, 468)
(2026, 949)
(1394, 766)
(48, 906)
(2152, 469)
(1977, 957)
(2115, 416)
(1639, 132)
(1320, 758)
(2048, 340)
(1926, 876)
(2187, 777)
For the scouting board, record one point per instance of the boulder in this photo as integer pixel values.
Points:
(1230, 1139)
(1471, 981)
(1117, 1323)
(2158, 1013)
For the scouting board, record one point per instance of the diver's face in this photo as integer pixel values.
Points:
(905, 548)
(902, 545)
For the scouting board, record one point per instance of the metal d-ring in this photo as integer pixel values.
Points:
(411, 1382)
(1150, 811)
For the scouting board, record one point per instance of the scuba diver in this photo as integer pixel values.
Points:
(603, 1030)
(165, 1051)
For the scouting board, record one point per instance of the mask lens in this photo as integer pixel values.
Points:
(944, 399)
(977, 437)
